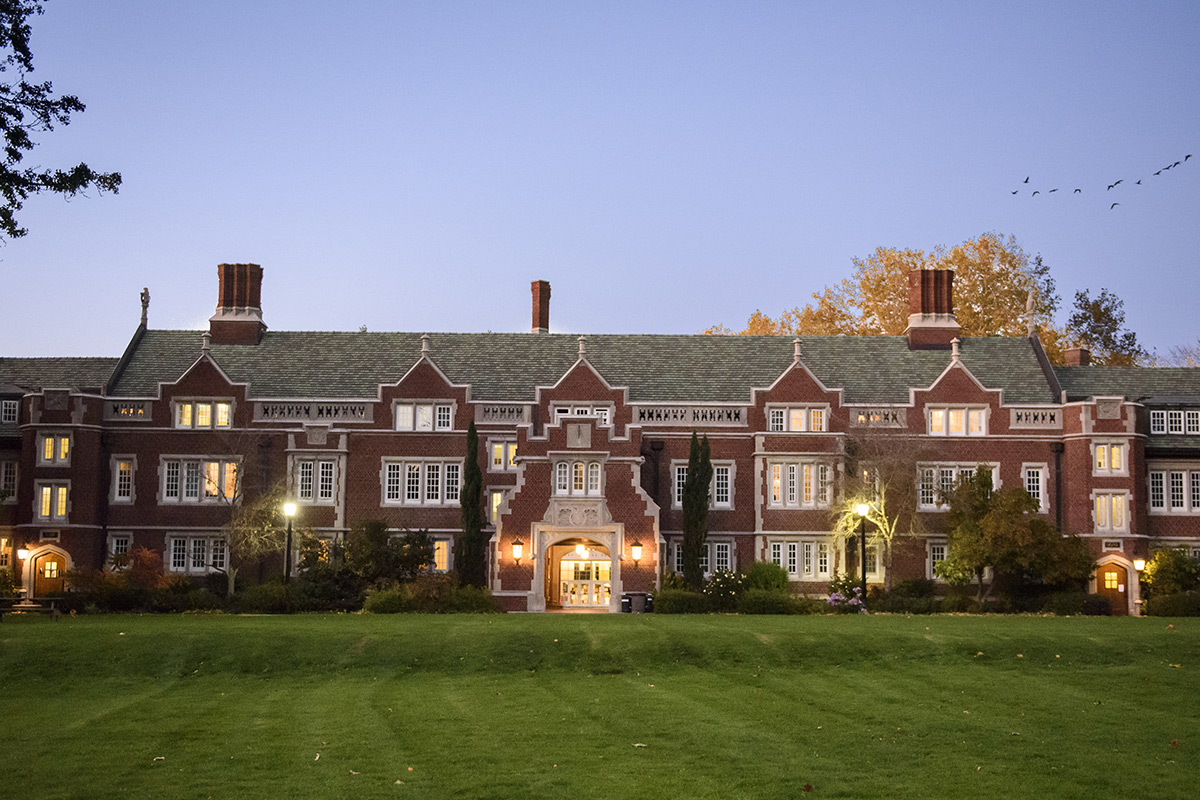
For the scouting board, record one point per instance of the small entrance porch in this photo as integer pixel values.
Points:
(578, 576)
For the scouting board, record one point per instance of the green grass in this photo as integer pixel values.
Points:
(554, 706)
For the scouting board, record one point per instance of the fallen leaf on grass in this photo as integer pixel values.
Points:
(160, 758)
(352, 772)
(318, 758)
(1176, 666)
(808, 787)
(1174, 742)
(638, 744)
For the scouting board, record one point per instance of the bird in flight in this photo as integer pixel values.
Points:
(1026, 179)
(1114, 205)
(1077, 191)
(1051, 191)
(1139, 183)
(1159, 172)
(1189, 155)
(1016, 190)
(1035, 194)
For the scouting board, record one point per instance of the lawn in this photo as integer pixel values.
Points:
(561, 706)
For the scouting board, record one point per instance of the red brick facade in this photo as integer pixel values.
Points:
(368, 426)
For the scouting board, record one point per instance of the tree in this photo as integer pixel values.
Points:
(880, 472)
(1171, 571)
(1187, 355)
(1001, 529)
(30, 108)
(256, 528)
(470, 552)
(1099, 325)
(695, 510)
(992, 280)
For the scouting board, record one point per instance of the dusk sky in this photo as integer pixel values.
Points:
(666, 166)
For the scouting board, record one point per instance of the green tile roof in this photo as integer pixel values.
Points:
(508, 366)
(1135, 383)
(32, 374)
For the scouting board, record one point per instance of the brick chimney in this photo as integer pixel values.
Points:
(239, 305)
(1078, 357)
(931, 322)
(541, 306)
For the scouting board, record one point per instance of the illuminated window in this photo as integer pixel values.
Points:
(504, 456)
(187, 481)
(52, 501)
(957, 421)
(49, 569)
(578, 478)
(1110, 580)
(803, 419)
(122, 480)
(55, 450)
(494, 507)
(203, 414)
(441, 555)
(1108, 458)
(1109, 510)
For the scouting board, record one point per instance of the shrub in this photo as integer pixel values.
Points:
(8, 585)
(330, 589)
(673, 580)
(431, 591)
(472, 600)
(1171, 571)
(1097, 605)
(809, 605)
(1182, 604)
(680, 601)
(959, 604)
(267, 598)
(1064, 604)
(845, 596)
(913, 587)
(392, 600)
(767, 601)
(723, 590)
(767, 575)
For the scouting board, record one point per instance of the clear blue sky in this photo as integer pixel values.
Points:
(666, 166)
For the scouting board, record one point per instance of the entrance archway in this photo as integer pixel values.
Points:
(1112, 581)
(46, 572)
(579, 575)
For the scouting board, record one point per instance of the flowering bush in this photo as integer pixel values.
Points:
(845, 597)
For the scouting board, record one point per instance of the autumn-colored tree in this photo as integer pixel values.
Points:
(1099, 325)
(1187, 355)
(992, 280)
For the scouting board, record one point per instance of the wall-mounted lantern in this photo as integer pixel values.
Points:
(518, 550)
(636, 551)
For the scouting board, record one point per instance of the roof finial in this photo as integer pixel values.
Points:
(145, 305)
(206, 342)
(796, 349)
(954, 349)
(582, 347)
(1030, 326)
(424, 344)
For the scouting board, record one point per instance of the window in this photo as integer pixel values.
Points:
(1193, 422)
(1174, 422)
(428, 416)
(196, 555)
(203, 413)
(1035, 483)
(8, 481)
(122, 472)
(441, 555)
(504, 456)
(957, 421)
(872, 560)
(720, 490)
(4, 551)
(1109, 511)
(55, 450)
(798, 484)
(497, 500)
(1108, 458)
(315, 480)
(1158, 422)
(578, 478)
(8, 411)
(1175, 491)
(52, 501)
(937, 554)
(118, 544)
(721, 555)
(938, 480)
(188, 481)
(804, 559)
(421, 482)
(792, 548)
(810, 419)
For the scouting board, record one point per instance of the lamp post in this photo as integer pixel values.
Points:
(289, 511)
(862, 509)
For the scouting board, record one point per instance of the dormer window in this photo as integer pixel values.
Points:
(203, 413)
(957, 421)
(431, 416)
(811, 419)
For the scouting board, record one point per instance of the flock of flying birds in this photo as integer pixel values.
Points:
(1111, 186)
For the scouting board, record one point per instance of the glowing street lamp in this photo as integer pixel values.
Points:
(1139, 564)
(862, 509)
(518, 551)
(23, 553)
(636, 551)
(289, 511)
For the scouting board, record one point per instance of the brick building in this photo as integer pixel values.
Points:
(583, 441)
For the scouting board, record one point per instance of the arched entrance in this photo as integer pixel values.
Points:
(579, 575)
(46, 572)
(1112, 581)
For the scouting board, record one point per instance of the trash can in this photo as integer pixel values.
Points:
(626, 604)
(649, 604)
(637, 602)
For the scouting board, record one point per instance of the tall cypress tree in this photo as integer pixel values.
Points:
(695, 510)
(470, 556)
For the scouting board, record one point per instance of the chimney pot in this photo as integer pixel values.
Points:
(541, 306)
(1078, 357)
(931, 322)
(238, 319)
